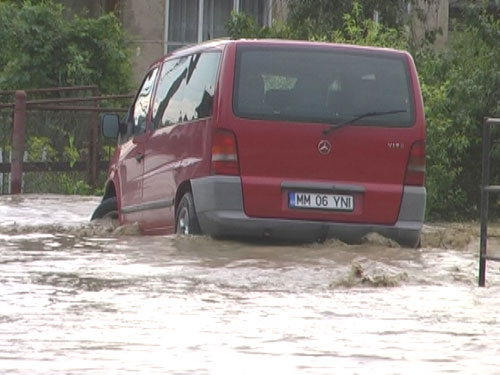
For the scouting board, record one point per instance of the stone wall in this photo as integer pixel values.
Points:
(144, 23)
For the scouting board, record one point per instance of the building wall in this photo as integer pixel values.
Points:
(144, 23)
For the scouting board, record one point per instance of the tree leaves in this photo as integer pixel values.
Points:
(461, 85)
(40, 48)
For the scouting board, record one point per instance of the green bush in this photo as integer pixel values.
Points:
(321, 17)
(363, 31)
(40, 48)
(460, 86)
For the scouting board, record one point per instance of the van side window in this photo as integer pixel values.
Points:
(167, 107)
(185, 89)
(200, 88)
(142, 102)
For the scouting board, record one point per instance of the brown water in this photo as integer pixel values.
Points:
(77, 298)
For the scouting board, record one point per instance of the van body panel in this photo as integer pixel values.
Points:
(358, 157)
(173, 155)
(131, 170)
(219, 205)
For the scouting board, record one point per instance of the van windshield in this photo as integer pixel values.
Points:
(322, 85)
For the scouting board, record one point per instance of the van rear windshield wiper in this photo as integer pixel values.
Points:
(359, 117)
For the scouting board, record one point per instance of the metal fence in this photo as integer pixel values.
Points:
(58, 147)
(486, 190)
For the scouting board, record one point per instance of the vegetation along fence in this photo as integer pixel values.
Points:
(49, 139)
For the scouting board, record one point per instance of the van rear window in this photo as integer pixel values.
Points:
(322, 85)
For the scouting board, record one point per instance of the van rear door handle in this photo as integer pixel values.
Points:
(139, 157)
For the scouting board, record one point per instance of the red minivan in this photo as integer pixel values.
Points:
(291, 140)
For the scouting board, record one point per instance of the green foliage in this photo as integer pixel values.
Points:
(323, 22)
(5, 22)
(98, 54)
(42, 49)
(321, 17)
(71, 151)
(40, 148)
(70, 186)
(460, 87)
(241, 25)
(441, 171)
(359, 30)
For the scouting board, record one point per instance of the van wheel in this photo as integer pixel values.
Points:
(186, 220)
(107, 209)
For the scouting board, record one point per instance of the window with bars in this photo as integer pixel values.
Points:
(182, 23)
(193, 21)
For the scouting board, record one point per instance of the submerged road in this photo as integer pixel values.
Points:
(81, 298)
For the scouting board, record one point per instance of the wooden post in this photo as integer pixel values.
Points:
(18, 135)
(9, 175)
(93, 144)
(1, 174)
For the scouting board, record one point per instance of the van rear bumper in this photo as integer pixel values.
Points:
(218, 203)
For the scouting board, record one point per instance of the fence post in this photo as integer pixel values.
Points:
(18, 134)
(93, 144)
(1, 174)
(9, 175)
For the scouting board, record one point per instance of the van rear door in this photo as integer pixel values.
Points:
(294, 164)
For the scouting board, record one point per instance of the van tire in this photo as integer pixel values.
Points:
(186, 221)
(107, 209)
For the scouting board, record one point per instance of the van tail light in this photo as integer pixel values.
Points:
(415, 172)
(225, 153)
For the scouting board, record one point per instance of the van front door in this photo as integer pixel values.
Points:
(177, 149)
(132, 163)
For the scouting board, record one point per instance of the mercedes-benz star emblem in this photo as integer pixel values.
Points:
(324, 147)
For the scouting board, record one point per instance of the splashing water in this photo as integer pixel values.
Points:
(90, 298)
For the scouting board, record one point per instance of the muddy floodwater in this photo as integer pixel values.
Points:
(80, 298)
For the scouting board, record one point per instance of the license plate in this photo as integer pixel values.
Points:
(340, 202)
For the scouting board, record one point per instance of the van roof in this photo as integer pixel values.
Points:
(219, 44)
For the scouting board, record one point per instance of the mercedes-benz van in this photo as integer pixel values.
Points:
(279, 139)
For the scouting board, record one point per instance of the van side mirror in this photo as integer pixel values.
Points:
(110, 125)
